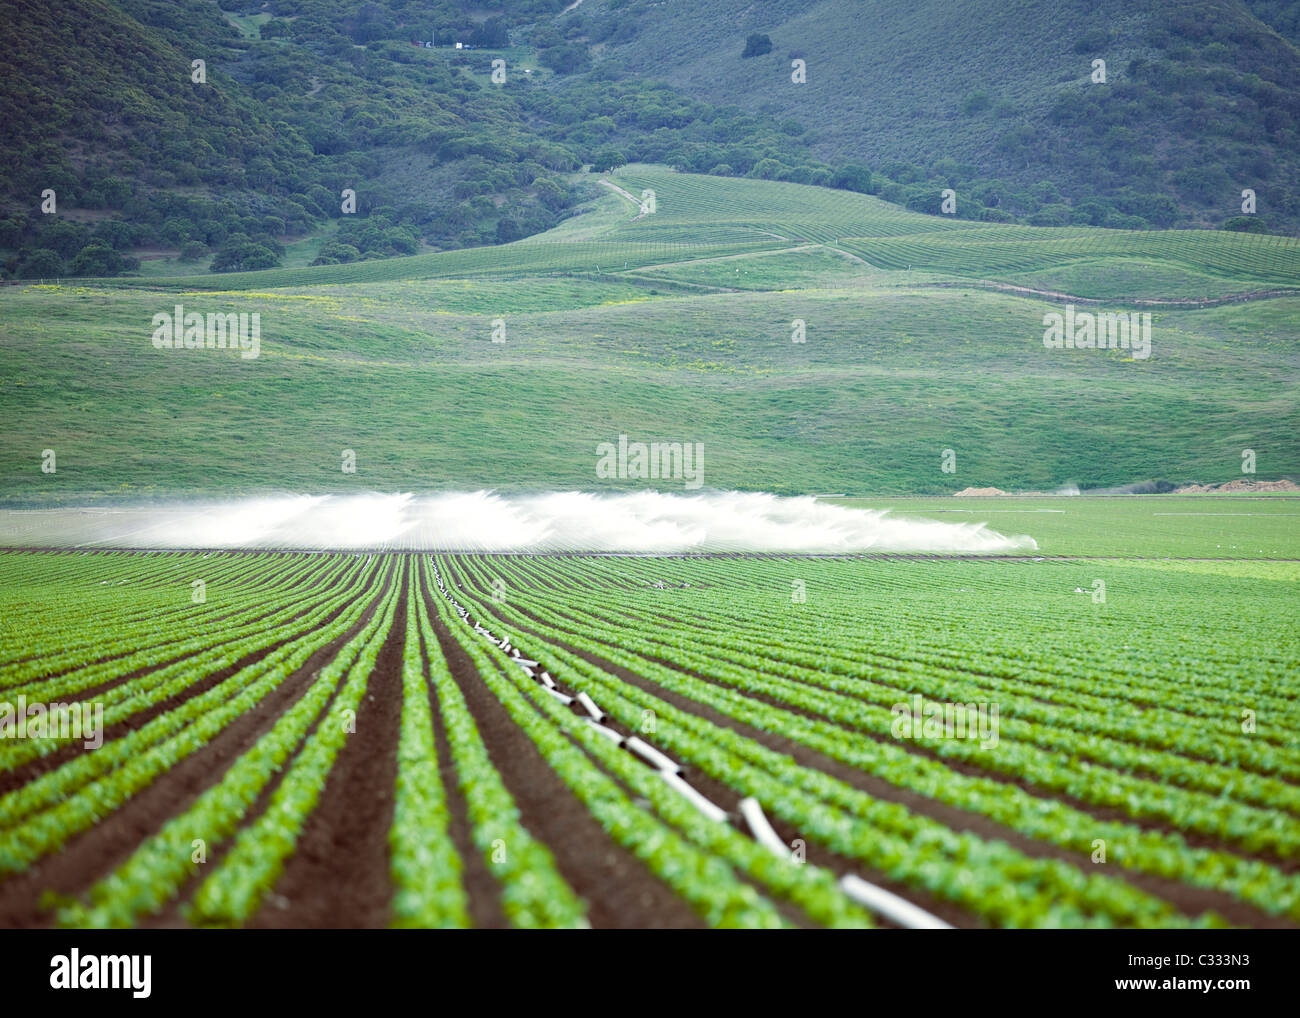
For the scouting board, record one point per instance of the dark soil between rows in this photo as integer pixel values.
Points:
(1187, 898)
(481, 888)
(620, 892)
(339, 872)
(96, 852)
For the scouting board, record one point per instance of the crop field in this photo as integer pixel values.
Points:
(356, 633)
(424, 739)
(626, 465)
(700, 218)
(890, 238)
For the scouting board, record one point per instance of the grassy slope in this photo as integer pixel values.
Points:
(690, 343)
(701, 217)
(1148, 526)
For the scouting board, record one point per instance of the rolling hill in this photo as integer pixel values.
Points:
(163, 168)
(998, 100)
(677, 326)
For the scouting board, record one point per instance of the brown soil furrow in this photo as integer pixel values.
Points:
(481, 887)
(620, 892)
(1189, 898)
(96, 852)
(339, 872)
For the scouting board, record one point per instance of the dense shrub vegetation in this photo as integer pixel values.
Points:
(303, 100)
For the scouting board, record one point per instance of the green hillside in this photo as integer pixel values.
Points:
(996, 99)
(700, 219)
(179, 137)
(691, 342)
(163, 170)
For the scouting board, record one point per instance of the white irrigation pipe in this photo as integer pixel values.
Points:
(652, 756)
(608, 733)
(890, 905)
(706, 806)
(761, 829)
(885, 903)
(589, 705)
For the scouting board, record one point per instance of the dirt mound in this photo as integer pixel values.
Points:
(1239, 485)
(979, 491)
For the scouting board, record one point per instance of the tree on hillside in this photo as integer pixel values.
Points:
(64, 238)
(507, 230)
(1245, 224)
(334, 253)
(241, 257)
(41, 264)
(854, 177)
(608, 158)
(756, 45)
(96, 259)
(569, 58)
(492, 34)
